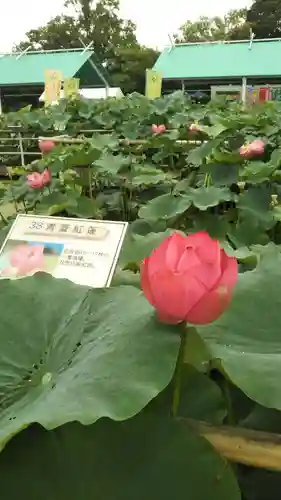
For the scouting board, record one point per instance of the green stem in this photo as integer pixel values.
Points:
(171, 161)
(178, 372)
(3, 219)
(207, 180)
(124, 203)
(228, 401)
(24, 206)
(90, 183)
(12, 190)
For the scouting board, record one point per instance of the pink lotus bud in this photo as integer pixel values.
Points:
(189, 278)
(161, 129)
(158, 129)
(245, 151)
(38, 181)
(253, 149)
(257, 147)
(46, 177)
(46, 146)
(194, 127)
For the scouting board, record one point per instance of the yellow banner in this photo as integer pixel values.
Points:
(71, 87)
(53, 79)
(153, 86)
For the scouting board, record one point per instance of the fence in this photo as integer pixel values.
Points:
(18, 150)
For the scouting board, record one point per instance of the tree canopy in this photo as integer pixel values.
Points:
(127, 67)
(113, 39)
(265, 18)
(233, 26)
(60, 33)
(96, 21)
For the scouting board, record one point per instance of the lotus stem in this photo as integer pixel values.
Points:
(178, 371)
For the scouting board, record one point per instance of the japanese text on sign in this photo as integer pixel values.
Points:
(66, 229)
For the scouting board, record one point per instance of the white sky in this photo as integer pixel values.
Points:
(154, 18)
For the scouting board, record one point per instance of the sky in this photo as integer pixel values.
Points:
(155, 19)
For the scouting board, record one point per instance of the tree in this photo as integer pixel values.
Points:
(99, 20)
(232, 26)
(128, 65)
(92, 21)
(265, 18)
(114, 40)
(60, 33)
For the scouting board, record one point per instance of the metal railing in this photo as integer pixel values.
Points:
(13, 144)
(16, 140)
(16, 148)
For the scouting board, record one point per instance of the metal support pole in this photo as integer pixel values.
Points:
(21, 149)
(244, 90)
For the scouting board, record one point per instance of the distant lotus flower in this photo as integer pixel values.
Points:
(253, 149)
(46, 176)
(46, 146)
(38, 181)
(158, 129)
(25, 260)
(194, 128)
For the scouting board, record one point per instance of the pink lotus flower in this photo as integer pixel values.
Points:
(25, 260)
(194, 128)
(38, 181)
(189, 278)
(253, 149)
(158, 129)
(46, 146)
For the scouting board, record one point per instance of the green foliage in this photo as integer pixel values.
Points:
(246, 337)
(113, 39)
(123, 171)
(93, 21)
(76, 366)
(96, 368)
(149, 456)
(265, 16)
(128, 65)
(232, 26)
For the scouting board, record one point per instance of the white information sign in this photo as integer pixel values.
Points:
(81, 250)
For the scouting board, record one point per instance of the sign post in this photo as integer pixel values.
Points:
(71, 87)
(53, 79)
(153, 87)
(84, 251)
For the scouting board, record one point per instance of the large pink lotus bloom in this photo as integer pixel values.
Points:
(38, 181)
(189, 278)
(26, 259)
(253, 149)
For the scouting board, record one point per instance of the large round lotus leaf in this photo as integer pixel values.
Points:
(149, 457)
(71, 353)
(247, 337)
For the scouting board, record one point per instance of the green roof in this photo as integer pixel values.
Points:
(29, 68)
(221, 59)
